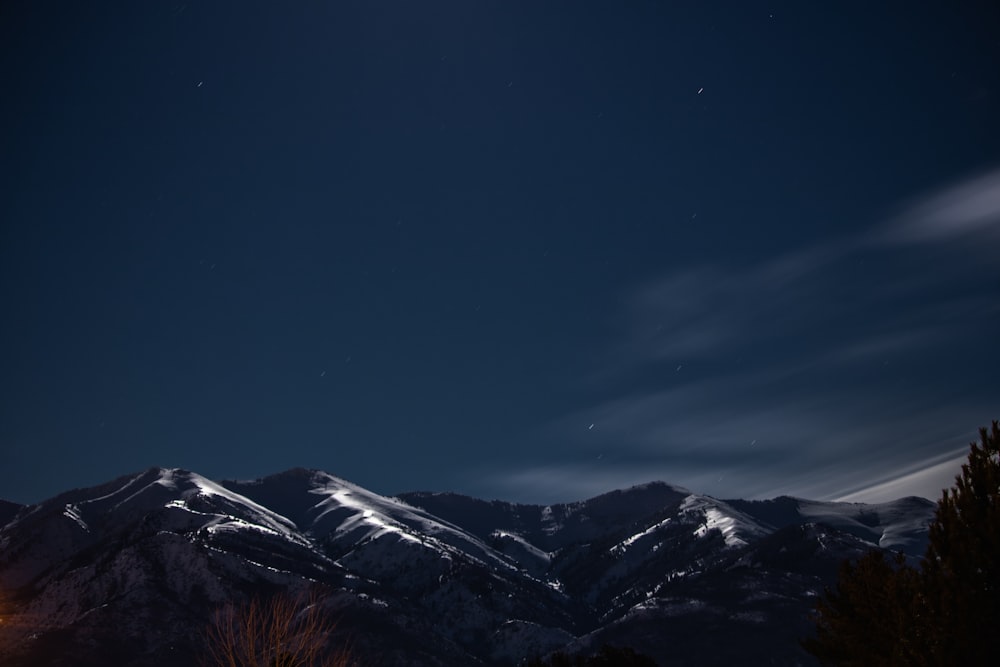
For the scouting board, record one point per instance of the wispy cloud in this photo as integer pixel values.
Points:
(971, 207)
(823, 304)
(844, 370)
(741, 441)
(928, 479)
(699, 311)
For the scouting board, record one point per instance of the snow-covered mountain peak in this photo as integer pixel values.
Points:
(332, 510)
(737, 528)
(178, 489)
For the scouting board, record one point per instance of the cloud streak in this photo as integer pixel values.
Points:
(845, 370)
(969, 208)
(928, 479)
(696, 312)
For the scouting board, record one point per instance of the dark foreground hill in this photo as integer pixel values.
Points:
(131, 572)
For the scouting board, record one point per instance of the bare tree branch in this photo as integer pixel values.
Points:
(281, 631)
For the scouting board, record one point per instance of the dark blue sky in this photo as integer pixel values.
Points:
(531, 250)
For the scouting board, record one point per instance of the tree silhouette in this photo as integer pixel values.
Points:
(947, 611)
(281, 631)
(962, 566)
(866, 619)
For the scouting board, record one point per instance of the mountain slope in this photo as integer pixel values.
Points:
(131, 571)
(900, 525)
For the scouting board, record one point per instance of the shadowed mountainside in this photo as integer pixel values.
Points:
(130, 572)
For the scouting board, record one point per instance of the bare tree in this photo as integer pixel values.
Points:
(281, 631)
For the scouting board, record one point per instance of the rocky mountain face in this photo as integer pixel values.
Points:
(131, 572)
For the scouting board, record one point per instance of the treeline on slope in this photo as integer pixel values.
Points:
(946, 611)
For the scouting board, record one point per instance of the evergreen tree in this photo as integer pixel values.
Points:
(867, 618)
(946, 612)
(961, 571)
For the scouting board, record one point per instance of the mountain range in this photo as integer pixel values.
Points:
(130, 572)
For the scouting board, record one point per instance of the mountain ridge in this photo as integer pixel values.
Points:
(422, 577)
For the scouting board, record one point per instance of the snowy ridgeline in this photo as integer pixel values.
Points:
(428, 578)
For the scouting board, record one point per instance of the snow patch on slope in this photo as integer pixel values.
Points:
(625, 544)
(351, 516)
(73, 512)
(897, 525)
(735, 526)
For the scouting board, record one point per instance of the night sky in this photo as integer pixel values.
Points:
(522, 250)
